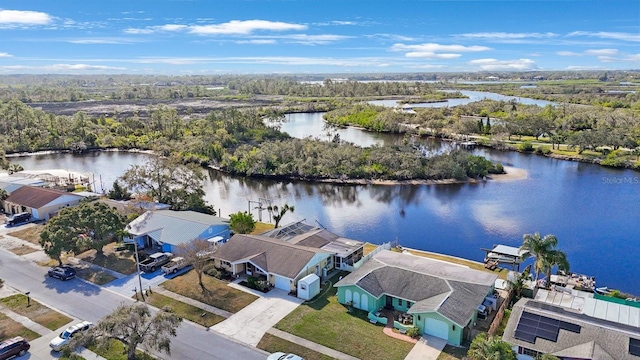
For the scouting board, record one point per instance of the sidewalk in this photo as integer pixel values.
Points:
(311, 345)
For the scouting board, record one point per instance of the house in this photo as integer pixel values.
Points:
(437, 297)
(169, 229)
(41, 203)
(345, 252)
(133, 206)
(574, 325)
(283, 264)
(10, 183)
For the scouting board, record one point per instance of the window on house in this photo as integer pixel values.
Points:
(225, 263)
(532, 353)
(400, 302)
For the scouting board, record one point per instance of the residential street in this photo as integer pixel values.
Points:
(83, 300)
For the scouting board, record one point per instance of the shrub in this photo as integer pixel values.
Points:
(211, 270)
(414, 332)
(261, 285)
(525, 147)
(497, 168)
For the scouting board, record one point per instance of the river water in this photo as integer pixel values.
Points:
(592, 210)
(472, 96)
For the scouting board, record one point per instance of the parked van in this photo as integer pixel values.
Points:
(18, 219)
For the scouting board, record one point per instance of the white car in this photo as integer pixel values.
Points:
(64, 338)
(283, 356)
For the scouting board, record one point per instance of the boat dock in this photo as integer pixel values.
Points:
(503, 254)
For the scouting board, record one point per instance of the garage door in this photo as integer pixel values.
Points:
(436, 328)
(282, 283)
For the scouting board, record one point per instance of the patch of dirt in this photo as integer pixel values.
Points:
(23, 250)
(30, 233)
(119, 261)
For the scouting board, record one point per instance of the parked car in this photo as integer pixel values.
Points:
(66, 336)
(18, 219)
(283, 356)
(16, 346)
(155, 261)
(176, 264)
(64, 272)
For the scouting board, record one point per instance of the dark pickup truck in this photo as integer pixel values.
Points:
(155, 261)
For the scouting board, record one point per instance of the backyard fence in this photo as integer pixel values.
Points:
(500, 315)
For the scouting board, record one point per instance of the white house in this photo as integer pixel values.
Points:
(41, 203)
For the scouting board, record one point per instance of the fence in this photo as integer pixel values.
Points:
(500, 314)
(357, 264)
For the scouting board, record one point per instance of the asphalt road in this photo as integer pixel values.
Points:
(90, 302)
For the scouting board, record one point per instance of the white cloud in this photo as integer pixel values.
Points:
(601, 52)
(92, 41)
(432, 47)
(392, 37)
(244, 27)
(425, 66)
(60, 68)
(135, 31)
(504, 65)
(431, 55)
(508, 36)
(257, 41)
(568, 53)
(608, 35)
(171, 27)
(5, 55)
(20, 17)
(313, 39)
(81, 67)
(271, 60)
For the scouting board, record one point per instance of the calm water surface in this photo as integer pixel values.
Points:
(591, 209)
(472, 97)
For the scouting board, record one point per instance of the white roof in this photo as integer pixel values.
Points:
(311, 278)
(606, 310)
(508, 250)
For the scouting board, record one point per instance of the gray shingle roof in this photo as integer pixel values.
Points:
(272, 255)
(598, 339)
(173, 227)
(452, 290)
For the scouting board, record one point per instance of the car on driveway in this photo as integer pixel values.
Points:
(16, 346)
(66, 336)
(65, 272)
(283, 356)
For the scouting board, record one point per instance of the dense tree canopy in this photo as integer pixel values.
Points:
(242, 222)
(90, 225)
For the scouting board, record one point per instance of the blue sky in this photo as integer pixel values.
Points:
(308, 36)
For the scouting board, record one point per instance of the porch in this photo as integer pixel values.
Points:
(393, 319)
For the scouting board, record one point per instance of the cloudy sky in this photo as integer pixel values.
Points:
(311, 36)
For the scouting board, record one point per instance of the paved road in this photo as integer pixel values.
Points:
(83, 300)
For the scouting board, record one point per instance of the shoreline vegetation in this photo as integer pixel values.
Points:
(223, 126)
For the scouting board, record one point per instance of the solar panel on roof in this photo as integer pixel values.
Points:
(570, 327)
(532, 326)
(524, 336)
(634, 346)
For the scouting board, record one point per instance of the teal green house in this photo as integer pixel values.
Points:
(439, 298)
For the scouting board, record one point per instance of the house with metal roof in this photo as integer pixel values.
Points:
(41, 203)
(574, 325)
(283, 264)
(346, 252)
(439, 298)
(169, 228)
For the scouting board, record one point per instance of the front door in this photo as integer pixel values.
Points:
(389, 303)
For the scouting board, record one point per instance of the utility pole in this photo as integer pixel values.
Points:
(135, 246)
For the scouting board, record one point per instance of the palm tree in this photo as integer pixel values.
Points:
(278, 213)
(518, 284)
(490, 348)
(543, 249)
(551, 259)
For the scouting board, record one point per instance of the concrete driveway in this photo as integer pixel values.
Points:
(251, 323)
(427, 348)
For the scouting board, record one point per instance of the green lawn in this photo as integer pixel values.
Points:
(219, 294)
(184, 310)
(115, 352)
(327, 322)
(271, 344)
(37, 312)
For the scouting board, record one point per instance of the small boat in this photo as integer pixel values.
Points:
(603, 290)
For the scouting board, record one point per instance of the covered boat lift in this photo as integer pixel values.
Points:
(503, 254)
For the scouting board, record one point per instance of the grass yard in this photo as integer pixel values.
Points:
(37, 312)
(261, 228)
(114, 351)
(220, 295)
(184, 310)
(327, 322)
(501, 272)
(453, 353)
(10, 328)
(31, 233)
(97, 277)
(271, 344)
(368, 248)
(120, 261)
(23, 250)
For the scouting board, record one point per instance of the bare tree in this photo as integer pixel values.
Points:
(134, 325)
(278, 213)
(198, 254)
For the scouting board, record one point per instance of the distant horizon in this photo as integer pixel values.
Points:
(257, 37)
